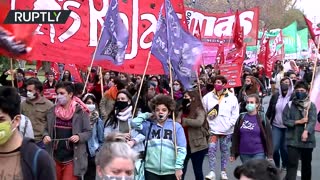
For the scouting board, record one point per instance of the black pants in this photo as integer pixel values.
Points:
(91, 171)
(151, 176)
(197, 161)
(294, 154)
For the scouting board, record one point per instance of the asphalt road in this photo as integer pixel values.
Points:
(232, 166)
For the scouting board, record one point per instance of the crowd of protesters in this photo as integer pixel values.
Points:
(98, 133)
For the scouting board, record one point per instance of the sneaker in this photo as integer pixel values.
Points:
(211, 176)
(224, 175)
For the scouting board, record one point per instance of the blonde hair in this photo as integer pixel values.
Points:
(115, 146)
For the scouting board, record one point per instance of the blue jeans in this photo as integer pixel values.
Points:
(246, 157)
(279, 144)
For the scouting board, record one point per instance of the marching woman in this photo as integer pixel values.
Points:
(120, 120)
(196, 129)
(252, 137)
(250, 87)
(66, 134)
(97, 138)
(164, 158)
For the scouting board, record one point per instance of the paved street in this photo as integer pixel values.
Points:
(232, 166)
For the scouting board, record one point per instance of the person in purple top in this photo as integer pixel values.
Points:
(252, 137)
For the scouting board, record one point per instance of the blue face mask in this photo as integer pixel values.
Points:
(301, 95)
(250, 107)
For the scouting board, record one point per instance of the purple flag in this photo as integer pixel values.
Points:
(159, 46)
(184, 49)
(114, 38)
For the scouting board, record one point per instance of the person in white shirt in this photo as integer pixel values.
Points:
(222, 112)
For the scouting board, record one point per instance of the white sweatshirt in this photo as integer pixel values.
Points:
(228, 113)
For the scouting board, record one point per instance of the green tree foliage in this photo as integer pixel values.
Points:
(273, 13)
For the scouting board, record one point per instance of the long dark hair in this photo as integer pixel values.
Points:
(113, 121)
(196, 103)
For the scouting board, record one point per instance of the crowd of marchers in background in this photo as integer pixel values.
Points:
(109, 131)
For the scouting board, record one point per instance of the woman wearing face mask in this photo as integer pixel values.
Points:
(97, 138)
(158, 87)
(277, 104)
(147, 93)
(66, 133)
(196, 129)
(178, 93)
(250, 87)
(252, 138)
(120, 121)
(161, 160)
(116, 159)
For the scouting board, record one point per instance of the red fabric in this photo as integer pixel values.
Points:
(237, 31)
(75, 41)
(74, 72)
(21, 32)
(55, 69)
(220, 52)
(197, 33)
(65, 171)
(185, 128)
(66, 114)
(313, 29)
(268, 61)
(20, 84)
(261, 55)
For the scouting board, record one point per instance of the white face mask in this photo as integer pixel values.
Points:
(31, 95)
(91, 107)
(176, 87)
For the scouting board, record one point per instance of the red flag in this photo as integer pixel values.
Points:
(261, 54)
(39, 65)
(313, 29)
(268, 63)
(16, 39)
(237, 31)
(181, 10)
(236, 56)
(74, 72)
(55, 69)
(220, 53)
(197, 32)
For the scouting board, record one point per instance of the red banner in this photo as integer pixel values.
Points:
(75, 41)
(49, 93)
(233, 73)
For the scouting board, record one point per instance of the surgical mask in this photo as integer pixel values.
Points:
(155, 83)
(106, 77)
(19, 78)
(218, 87)
(62, 99)
(110, 177)
(250, 107)
(31, 95)
(301, 95)
(121, 105)
(91, 107)
(176, 87)
(5, 132)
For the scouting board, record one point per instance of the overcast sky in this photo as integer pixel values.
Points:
(311, 8)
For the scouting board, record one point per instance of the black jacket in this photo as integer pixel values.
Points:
(36, 168)
(22, 91)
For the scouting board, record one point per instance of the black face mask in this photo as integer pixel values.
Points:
(284, 87)
(121, 105)
(185, 103)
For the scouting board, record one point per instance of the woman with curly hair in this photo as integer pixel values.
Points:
(166, 142)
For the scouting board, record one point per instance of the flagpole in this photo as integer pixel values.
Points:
(141, 83)
(173, 114)
(11, 69)
(91, 64)
(101, 80)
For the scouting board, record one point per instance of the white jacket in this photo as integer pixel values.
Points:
(228, 113)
